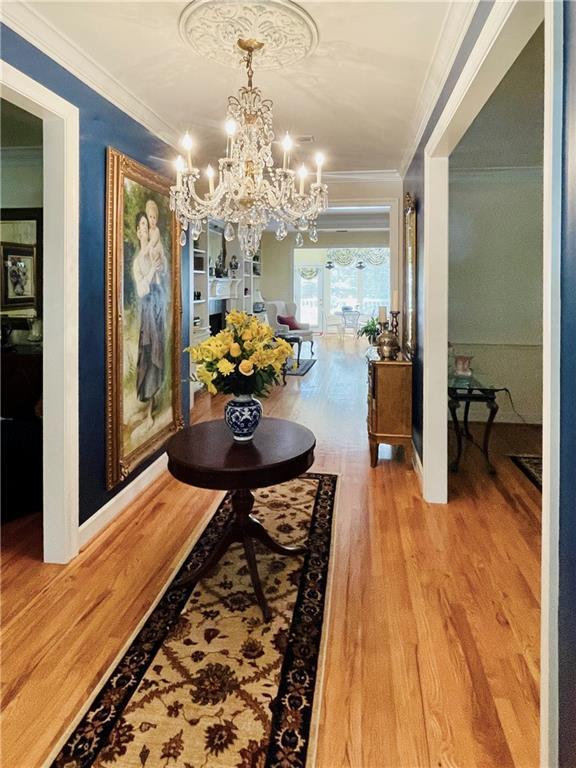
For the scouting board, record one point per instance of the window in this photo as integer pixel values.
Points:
(320, 293)
(363, 289)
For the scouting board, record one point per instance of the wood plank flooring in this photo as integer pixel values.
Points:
(432, 659)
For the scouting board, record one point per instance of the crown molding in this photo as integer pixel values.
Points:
(366, 177)
(472, 171)
(34, 28)
(21, 155)
(456, 23)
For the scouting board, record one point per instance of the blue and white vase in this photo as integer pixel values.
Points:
(242, 414)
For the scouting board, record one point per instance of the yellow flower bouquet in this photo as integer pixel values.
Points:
(243, 359)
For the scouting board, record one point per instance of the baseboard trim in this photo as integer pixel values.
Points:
(417, 464)
(110, 511)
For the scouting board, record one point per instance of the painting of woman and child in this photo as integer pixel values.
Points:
(144, 401)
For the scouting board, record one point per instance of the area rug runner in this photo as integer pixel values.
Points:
(207, 683)
(302, 369)
(532, 468)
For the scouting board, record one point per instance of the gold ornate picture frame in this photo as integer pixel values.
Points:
(410, 267)
(143, 316)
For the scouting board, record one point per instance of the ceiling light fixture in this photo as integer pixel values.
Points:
(250, 191)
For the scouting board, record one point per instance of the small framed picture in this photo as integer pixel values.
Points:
(20, 287)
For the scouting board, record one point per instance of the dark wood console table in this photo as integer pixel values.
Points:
(206, 456)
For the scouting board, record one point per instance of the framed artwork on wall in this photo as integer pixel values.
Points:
(21, 254)
(19, 284)
(410, 244)
(143, 316)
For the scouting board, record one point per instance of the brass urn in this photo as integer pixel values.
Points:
(388, 346)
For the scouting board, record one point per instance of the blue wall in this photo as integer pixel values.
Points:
(101, 125)
(567, 604)
(414, 183)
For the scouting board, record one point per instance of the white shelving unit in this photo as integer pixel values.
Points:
(199, 325)
(238, 293)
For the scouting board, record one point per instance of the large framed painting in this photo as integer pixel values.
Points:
(410, 245)
(143, 316)
(21, 259)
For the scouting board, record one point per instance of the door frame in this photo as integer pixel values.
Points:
(394, 244)
(505, 34)
(61, 142)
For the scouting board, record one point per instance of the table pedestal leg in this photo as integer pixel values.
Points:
(466, 414)
(492, 406)
(453, 405)
(243, 528)
(254, 575)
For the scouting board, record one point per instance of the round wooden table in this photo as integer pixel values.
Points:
(205, 455)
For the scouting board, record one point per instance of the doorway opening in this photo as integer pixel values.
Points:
(21, 237)
(332, 283)
(60, 199)
(495, 283)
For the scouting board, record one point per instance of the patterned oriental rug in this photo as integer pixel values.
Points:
(206, 683)
(532, 468)
(302, 369)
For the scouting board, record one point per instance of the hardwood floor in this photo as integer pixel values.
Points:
(433, 652)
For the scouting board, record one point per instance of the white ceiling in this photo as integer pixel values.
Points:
(362, 94)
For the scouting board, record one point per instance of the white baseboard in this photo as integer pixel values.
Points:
(106, 514)
(417, 464)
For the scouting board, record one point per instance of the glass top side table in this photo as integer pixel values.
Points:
(470, 389)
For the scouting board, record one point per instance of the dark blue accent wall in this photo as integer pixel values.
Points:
(101, 125)
(567, 554)
(414, 183)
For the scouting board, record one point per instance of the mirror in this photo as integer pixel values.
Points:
(409, 318)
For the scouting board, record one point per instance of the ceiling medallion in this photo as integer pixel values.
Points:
(212, 28)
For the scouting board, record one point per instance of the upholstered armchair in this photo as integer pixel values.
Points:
(287, 309)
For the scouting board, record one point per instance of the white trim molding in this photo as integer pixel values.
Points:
(33, 27)
(20, 156)
(506, 32)
(552, 225)
(456, 23)
(366, 177)
(435, 346)
(106, 514)
(61, 141)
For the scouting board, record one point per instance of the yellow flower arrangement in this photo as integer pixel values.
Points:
(243, 359)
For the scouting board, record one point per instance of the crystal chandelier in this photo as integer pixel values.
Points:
(250, 191)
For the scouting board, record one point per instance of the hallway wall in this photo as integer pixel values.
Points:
(495, 285)
(414, 184)
(101, 125)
